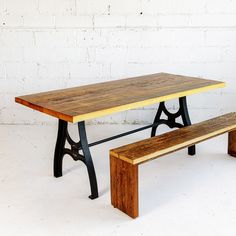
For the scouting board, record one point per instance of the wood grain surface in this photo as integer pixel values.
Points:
(124, 186)
(232, 143)
(145, 150)
(92, 101)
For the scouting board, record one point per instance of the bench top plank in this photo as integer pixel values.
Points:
(151, 148)
(92, 101)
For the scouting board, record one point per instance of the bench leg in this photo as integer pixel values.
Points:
(232, 143)
(124, 186)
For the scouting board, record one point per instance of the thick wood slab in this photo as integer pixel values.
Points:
(91, 101)
(151, 148)
(232, 143)
(124, 186)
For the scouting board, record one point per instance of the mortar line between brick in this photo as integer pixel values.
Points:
(118, 28)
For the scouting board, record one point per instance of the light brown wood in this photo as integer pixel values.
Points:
(124, 186)
(232, 143)
(145, 150)
(91, 101)
(124, 160)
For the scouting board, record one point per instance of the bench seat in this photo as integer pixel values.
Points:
(124, 160)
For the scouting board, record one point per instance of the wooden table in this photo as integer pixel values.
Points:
(78, 104)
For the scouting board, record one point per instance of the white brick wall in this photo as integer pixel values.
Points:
(51, 44)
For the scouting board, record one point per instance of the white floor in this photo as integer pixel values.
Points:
(179, 195)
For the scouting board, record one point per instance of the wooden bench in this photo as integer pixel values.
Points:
(124, 160)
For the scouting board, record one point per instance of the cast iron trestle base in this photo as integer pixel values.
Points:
(83, 145)
(171, 119)
(60, 151)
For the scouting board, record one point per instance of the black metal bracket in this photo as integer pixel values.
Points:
(83, 145)
(171, 119)
(60, 151)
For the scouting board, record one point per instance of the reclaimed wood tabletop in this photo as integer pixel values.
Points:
(92, 101)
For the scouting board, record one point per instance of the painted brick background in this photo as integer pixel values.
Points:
(51, 44)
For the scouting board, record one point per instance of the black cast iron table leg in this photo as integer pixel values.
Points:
(73, 151)
(186, 121)
(171, 119)
(83, 145)
(59, 150)
(88, 160)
